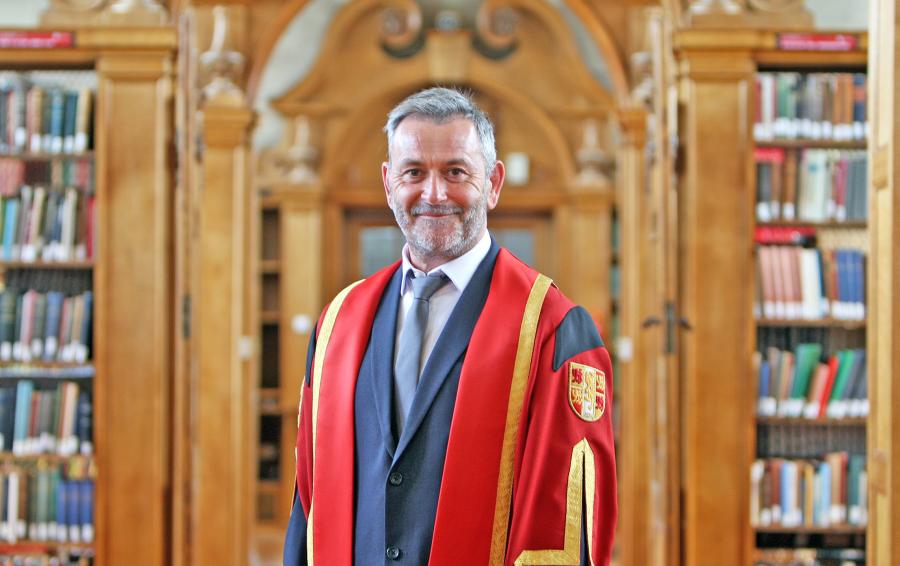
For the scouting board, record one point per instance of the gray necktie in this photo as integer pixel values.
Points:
(409, 352)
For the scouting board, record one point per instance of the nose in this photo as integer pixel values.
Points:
(434, 190)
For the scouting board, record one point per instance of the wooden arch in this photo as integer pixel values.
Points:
(595, 26)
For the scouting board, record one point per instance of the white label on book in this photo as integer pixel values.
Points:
(87, 533)
(50, 347)
(37, 347)
(80, 353)
(80, 142)
(69, 144)
(6, 351)
(35, 145)
(20, 137)
(811, 410)
(74, 533)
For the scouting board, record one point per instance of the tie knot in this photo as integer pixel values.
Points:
(425, 287)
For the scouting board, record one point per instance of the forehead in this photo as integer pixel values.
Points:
(418, 138)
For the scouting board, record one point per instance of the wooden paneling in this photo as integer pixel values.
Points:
(636, 364)
(224, 399)
(134, 319)
(715, 296)
(884, 287)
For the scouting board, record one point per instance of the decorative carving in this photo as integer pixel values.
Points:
(710, 7)
(593, 162)
(401, 29)
(222, 63)
(495, 30)
(301, 158)
(642, 71)
(777, 6)
(104, 13)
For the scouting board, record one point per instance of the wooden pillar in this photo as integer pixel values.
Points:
(884, 287)
(134, 279)
(716, 269)
(300, 292)
(635, 350)
(223, 400)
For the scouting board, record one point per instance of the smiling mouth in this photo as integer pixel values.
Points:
(424, 211)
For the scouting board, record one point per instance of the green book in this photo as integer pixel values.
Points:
(845, 359)
(807, 357)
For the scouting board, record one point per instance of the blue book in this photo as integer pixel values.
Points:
(86, 509)
(24, 390)
(823, 509)
(62, 500)
(51, 328)
(73, 517)
(83, 350)
(10, 225)
(764, 377)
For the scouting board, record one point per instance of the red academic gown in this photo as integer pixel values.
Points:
(530, 458)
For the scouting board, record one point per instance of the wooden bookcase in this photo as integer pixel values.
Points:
(718, 290)
(129, 273)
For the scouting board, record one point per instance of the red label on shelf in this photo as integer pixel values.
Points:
(818, 41)
(36, 39)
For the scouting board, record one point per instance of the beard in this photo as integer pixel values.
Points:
(433, 238)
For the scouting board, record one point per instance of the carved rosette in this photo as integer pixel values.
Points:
(300, 160)
(495, 29)
(222, 63)
(401, 28)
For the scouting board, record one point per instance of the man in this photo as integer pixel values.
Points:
(456, 407)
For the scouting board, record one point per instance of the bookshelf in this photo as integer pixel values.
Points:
(808, 479)
(733, 221)
(85, 308)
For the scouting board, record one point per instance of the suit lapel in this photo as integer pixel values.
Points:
(450, 345)
(382, 367)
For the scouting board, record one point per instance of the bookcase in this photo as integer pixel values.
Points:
(773, 258)
(85, 307)
(808, 478)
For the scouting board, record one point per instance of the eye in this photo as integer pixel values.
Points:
(456, 171)
(412, 172)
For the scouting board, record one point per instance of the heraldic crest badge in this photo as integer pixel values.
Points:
(587, 391)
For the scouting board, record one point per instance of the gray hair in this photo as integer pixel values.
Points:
(440, 105)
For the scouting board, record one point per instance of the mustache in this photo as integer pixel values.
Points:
(424, 208)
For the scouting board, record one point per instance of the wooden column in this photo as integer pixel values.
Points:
(884, 286)
(134, 316)
(716, 274)
(223, 400)
(635, 351)
(301, 289)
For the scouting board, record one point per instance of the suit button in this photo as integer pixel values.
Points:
(392, 552)
(396, 478)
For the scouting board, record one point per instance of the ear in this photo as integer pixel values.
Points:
(496, 180)
(385, 170)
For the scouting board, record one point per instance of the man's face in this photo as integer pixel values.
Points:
(438, 189)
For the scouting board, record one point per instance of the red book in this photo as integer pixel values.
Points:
(829, 384)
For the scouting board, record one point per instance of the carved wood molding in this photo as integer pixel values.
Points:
(87, 13)
(223, 64)
(749, 13)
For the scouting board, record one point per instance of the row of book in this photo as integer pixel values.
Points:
(797, 283)
(56, 420)
(59, 558)
(58, 172)
(44, 504)
(810, 557)
(40, 119)
(40, 224)
(50, 327)
(799, 384)
(814, 185)
(825, 492)
(818, 106)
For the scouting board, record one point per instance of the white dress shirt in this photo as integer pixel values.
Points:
(459, 271)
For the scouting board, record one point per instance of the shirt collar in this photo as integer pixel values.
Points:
(459, 270)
